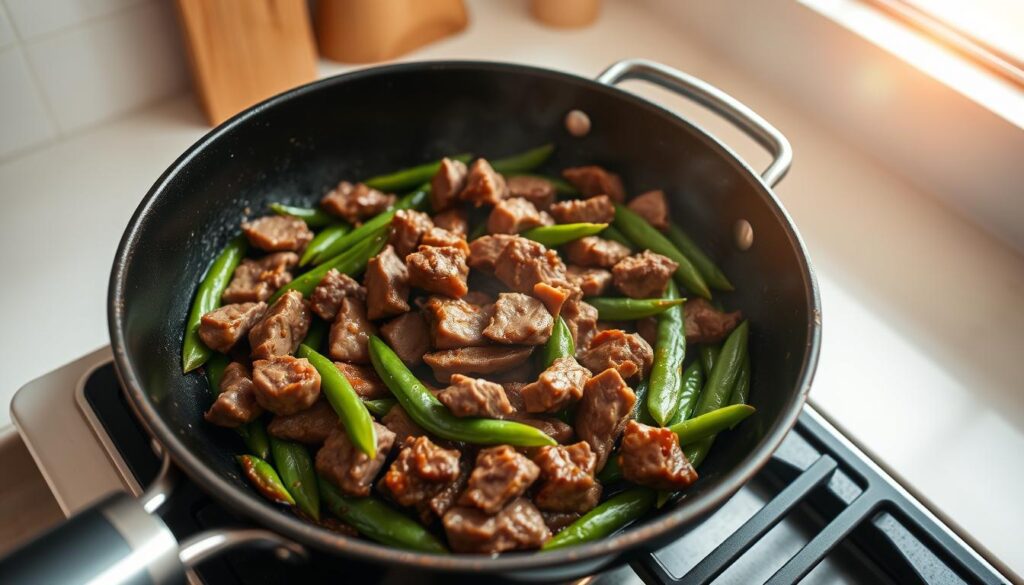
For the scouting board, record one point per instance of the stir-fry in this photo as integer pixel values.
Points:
(493, 361)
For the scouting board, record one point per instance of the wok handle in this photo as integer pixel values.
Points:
(713, 99)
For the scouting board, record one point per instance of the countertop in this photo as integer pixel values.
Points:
(922, 310)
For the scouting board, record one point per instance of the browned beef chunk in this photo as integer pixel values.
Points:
(484, 186)
(440, 238)
(581, 317)
(445, 499)
(546, 219)
(511, 216)
(285, 384)
(593, 180)
(310, 426)
(236, 404)
(354, 203)
(479, 298)
(556, 521)
(387, 285)
(567, 479)
(626, 353)
(467, 396)
(221, 328)
(553, 427)
(557, 387)
(501, 474)
(407, 227)
(282, 328)
(420, 472)
(277, 233)
(593, 282)
(593, 251)
(536, 190)
(653, 207)
(256, 280)
(439, 270)
(648, 329)
(364, 380)
(602, 413)
(651, 456)
(706, 324)
(476, 360)
(454, 323)
(514, 392)
(553, 297)
(453, 220)
(598, 209)
(327, 295)
(519, 320)
(519, 526)
(485, 250)
(447, 183)
(346, 466)
(351, 332)
(644, 275)
(409, 336)
(399, 422)
(523, 263)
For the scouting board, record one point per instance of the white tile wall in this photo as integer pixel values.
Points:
(66, 65)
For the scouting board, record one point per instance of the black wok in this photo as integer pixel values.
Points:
(294, 146)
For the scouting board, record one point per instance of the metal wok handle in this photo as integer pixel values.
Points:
(713, 99)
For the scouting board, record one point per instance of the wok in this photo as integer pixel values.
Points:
(292, 147)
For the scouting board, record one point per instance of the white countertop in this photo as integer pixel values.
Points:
(922, 310)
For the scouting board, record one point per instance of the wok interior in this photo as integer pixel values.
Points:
(293, 150)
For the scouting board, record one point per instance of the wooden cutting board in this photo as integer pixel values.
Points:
(244, 51)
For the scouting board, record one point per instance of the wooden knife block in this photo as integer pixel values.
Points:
(365, 31)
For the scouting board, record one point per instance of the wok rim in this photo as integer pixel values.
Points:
(291, 526)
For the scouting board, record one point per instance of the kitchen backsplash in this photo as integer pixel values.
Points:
(66, 65)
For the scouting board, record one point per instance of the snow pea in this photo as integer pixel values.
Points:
(559, 345)
(627, 309)
(194, 352)
(556, 235)
(524, 161)
(667, 370)
(410, 177)
(322, 241)
(265, 479)
(609, 516)
(350, 262)
(312, 217)
(702, 262)
(415, 200)
(346, 403)
(295, 467)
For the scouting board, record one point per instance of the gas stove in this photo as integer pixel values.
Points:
(819, 512)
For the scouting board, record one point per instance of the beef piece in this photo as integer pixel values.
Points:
(557, 387)
(593, 251)
(407, 227)
(476, 360)
(626, 353)
(387, 285)
(519, 320)
(523, 263)
(346, 466)
(421, 471)
(598, 209)
(501, 474)
(236, 404)
(581, 318)
(511, 216)
(221, 328)
(479, 298)
(593, 180)
(514, 392)
(475, 397)
(447, 183)
(399, 422)
(602, 413)
(454, 323)
(485, 250)
(440, 238)
(553, 297)
(351, 332)
(484, 186)
(706, 324)
(333, 287)
(310, 426)
(282, 328)
(653, 207)
(439, 270)
(536, 190)
(651, 456)
(519, 526)
(553, 427)
(408, 335)
(256, 280)
(278, 233)
(644, 275)
(648, 329)
(593, 282)
(453, 220)
(556, 521)
(445, 499)
(285, 384)
(354, 203)
(545, 218)
(364, 380)
(567, 478)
